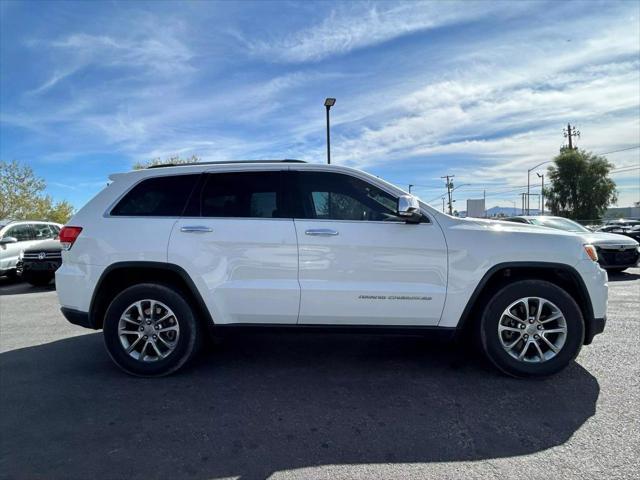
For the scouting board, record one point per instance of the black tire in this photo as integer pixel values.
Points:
(12, 274)
(489, 337)
(38, 280)
(188, 341)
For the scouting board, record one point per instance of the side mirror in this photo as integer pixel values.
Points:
(408, 206)
(5, 240)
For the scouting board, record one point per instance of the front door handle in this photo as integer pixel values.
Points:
(321, 232)
(196, 229)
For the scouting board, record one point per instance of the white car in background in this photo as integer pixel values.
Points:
(616, 252)
(17, 236)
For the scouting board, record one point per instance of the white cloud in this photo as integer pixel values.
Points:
(358, 25)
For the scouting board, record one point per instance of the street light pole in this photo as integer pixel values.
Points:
(529, 182)
(328, 103)
(541, 193)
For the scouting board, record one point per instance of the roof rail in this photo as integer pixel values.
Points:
(226, 162)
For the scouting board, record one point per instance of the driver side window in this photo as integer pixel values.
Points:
(335, 196)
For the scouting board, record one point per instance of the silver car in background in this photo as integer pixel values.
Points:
(17, 236)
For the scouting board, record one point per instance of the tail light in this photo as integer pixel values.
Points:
(68, 236)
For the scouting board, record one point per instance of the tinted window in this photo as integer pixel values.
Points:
(253, 195)
(335, 196)
(42, 231)
(157, 197)
(21, 232)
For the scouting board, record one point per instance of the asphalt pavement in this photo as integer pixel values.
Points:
(302, 406)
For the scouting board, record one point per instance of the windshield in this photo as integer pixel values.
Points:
(560, 224)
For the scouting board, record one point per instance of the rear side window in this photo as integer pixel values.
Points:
(242, 195)
(157, 197)
(42, 231)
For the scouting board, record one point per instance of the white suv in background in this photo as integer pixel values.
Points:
(15, 237)
(162, 255)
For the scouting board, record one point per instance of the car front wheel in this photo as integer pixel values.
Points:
(531, 328)
(150, 330)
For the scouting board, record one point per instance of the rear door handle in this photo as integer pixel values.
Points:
(195, 229)
(321, 232)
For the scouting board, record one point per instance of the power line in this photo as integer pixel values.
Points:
(621, 150)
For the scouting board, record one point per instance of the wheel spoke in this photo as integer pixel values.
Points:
(539, 351)
(513, 344)
(140, 311)
(513, 317)
(554, 330)
(168, 345)
(503, 328)
(526, 308)
(165, 317)
(152, 309)
(170, 328)
(541, 303)
(128, 320)
(155, 347)
(524, 349)
(144, 347)
(554, 316)
(553, 348)
(133, 345)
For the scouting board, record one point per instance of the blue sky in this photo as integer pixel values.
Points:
(477, 89)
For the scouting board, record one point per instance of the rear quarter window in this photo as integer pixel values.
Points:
(157, 197)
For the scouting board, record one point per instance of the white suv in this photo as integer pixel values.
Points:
(162, 255)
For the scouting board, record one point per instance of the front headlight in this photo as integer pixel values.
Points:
(591, 252)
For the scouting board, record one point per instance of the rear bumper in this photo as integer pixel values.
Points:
(78, 318)
(593, 327)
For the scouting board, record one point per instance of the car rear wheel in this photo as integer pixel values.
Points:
(150, 330)
(531, 328)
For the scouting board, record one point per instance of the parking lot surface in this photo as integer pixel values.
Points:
(285, 406)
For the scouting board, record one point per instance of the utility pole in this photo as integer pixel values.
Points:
(523, 194)
(449, 187)
(569, 133)
(443, 211)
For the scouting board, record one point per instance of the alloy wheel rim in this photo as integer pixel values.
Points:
(148, 330)
(532, 330)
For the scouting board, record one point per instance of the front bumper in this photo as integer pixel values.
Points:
(39, 266)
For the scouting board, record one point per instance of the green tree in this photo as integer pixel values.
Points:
(22, 196)
(580, 185)
(174, 160)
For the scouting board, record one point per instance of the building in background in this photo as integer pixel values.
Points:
(475, 208)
